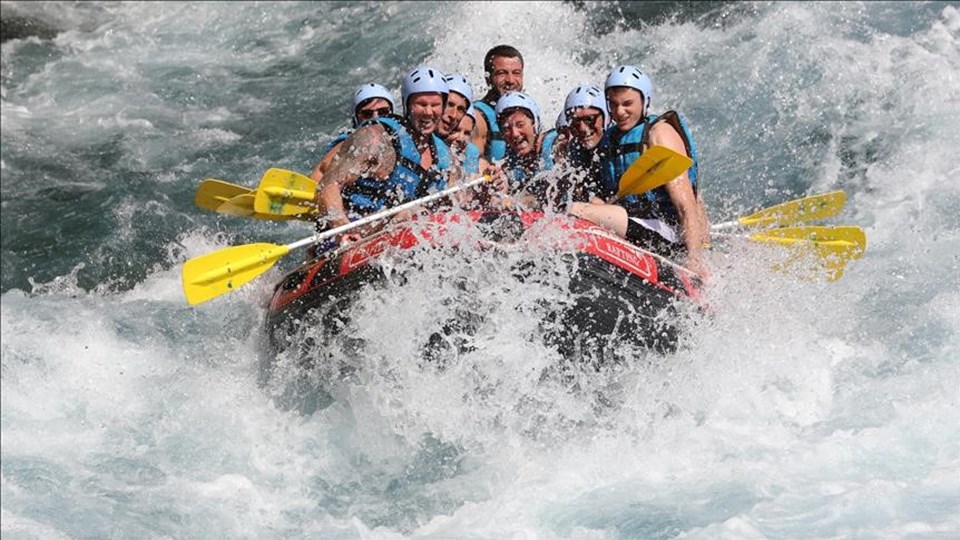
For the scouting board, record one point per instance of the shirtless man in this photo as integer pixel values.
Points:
(369, 101)
(392, 160)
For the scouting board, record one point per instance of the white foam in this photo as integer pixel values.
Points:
(796, 409)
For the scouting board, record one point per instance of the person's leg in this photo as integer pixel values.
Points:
(608, 216)
(615, 218)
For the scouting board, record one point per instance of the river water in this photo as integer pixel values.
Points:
(796, 409)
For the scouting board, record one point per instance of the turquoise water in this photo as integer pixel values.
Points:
(797, 410)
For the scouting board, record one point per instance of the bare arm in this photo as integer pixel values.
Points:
(325, 162)
(693, 220)
(367, 152)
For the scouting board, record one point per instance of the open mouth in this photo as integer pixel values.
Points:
(520, 144)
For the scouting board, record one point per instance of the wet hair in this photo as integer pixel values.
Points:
(500, 51)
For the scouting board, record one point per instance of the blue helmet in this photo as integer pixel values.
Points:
(562, 120)
(515, 100)
(422, 80)
(632, 77)
(472, 113)
(586, 95)
(458, 83)
(370, 91)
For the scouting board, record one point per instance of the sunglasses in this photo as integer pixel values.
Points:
(366, 114)
(589, 119)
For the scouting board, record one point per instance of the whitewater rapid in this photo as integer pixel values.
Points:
(796, 409)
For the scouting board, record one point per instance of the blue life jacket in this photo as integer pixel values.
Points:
(407, 181)
(471, 159)
(519, 175)
(546, 148)
(496, 147)
(621, 150)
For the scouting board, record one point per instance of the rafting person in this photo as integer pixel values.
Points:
(671, 219)
(371, 100)
(585, 110)
(518, 117)
(458, 113)
(460, 142)
(390, 160)
(562, 129)
(458, 101)
(503, 69)
(580, 128)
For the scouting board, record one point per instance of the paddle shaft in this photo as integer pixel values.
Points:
(784, 240)
(726, 225)
(839, 241)
(385, 214)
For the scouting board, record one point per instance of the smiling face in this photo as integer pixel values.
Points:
(507, 74)
(626, 106)
(458, 138)
(425, 112)
(519, 131)
(586, 125)
(455, 110)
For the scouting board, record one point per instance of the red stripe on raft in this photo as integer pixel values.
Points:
(589, 238)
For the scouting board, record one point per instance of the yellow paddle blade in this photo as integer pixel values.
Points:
(241, 205)
(810, 208)
(211, 275)
(283, 192)
(212, 193)
(845, 235)
(832, 247)
(233, 200)
(654, 168)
